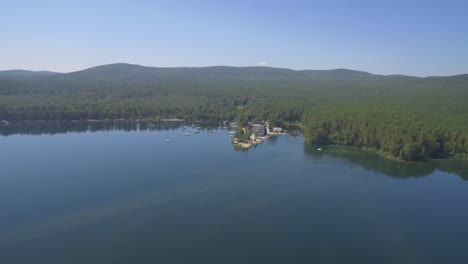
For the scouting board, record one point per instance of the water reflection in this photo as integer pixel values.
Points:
(367, 160)
(391, 168)
(81, 127)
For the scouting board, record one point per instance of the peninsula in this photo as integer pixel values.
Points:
(250, 135)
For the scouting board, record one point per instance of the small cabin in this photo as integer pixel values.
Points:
(277, 130)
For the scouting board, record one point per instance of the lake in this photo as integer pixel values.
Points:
(118, 193)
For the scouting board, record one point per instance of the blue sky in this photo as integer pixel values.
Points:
(387, 37)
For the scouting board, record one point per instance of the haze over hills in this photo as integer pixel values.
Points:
(402, 116)
(122, 70)
(258, 76)
(25, 73)
(218, 80)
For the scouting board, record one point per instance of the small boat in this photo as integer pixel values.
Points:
(319, 149)
(211, 131)
(186, 134)
(198, 127)
(232, 132)
(196, 131)
(224, 127)
(193, 125)
(168, 140)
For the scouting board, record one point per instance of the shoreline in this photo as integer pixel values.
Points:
(244, 146)
(387, 156)
(37, 122)
(257, 141)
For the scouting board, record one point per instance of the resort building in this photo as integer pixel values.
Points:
(260, 129)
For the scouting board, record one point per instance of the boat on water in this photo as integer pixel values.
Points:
(319, 149)
(232, 132)
(211, 131)
(168, 140)
(186, 134)
(196, 131)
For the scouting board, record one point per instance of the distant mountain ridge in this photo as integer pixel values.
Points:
(406, 117)
(128, 70)
(25, 73)
(125, 71)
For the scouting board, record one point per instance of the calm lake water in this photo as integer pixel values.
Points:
(118, 193)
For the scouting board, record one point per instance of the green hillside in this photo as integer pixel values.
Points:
(400, 116)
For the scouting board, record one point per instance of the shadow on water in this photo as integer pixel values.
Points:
(367, 160)
(82, 127)
(388, 167)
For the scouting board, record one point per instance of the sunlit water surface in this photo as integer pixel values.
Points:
(119, 193)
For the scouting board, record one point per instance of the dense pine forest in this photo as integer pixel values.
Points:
(402, 117)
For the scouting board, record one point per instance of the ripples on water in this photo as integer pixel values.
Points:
(118, 193)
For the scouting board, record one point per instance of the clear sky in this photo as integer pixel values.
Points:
(398, 36)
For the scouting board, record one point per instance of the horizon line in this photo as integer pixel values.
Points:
(231, 66)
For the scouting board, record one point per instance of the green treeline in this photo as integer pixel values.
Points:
(397, 134)
(402, 117)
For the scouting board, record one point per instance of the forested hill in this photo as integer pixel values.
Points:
(123, 71)
(14, 74)
(406, 117)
